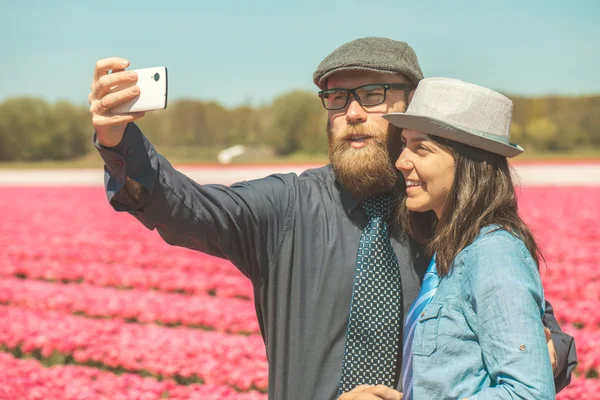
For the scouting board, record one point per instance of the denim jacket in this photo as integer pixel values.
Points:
(482, 337)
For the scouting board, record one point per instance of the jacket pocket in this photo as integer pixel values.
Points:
(425, 340)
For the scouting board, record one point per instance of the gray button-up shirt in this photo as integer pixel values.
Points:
(295, 237)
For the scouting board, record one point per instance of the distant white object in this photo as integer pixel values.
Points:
(225, 156)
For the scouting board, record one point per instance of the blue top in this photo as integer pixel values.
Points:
(482, 337)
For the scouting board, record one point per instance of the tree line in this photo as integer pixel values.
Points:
(33, 129)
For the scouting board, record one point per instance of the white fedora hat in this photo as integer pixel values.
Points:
(462, 112)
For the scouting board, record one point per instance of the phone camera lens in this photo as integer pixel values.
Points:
(156, 76)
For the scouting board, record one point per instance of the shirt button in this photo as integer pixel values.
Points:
(129, 151)
(423, 314)
(522, 347)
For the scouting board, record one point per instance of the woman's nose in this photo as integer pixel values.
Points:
(403, 163)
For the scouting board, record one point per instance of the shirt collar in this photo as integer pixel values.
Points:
(349, 202)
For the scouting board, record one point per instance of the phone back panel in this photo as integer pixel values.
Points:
(153, 92)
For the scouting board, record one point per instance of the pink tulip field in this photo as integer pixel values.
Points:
(95, 306)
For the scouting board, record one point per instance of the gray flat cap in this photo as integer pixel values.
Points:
(370, 54)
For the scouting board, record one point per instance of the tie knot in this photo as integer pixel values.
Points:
(378, 207)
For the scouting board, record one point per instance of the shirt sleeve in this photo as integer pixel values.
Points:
(565, 350)
(244, 222)
(506, 297)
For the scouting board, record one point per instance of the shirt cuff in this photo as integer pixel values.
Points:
(134, 158)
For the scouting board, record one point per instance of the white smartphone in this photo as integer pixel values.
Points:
(153, 92)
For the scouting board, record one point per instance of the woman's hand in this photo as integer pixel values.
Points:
(370, 392)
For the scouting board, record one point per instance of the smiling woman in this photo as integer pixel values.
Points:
(475, 330)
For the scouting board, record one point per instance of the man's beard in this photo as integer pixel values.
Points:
(368, 171)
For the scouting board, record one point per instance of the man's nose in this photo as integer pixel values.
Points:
(355, 113)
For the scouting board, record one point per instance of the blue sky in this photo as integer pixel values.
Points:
(248, 52)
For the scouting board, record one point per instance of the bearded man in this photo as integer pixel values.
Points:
(331, 277)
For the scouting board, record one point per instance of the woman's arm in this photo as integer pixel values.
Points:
(506, 298)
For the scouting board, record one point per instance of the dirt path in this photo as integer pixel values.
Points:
(569, 174)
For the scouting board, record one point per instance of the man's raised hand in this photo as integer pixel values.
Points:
(112, 86)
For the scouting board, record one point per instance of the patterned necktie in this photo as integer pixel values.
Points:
(376, 314)
(431, 281)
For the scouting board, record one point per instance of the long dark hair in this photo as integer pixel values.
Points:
(482, 194)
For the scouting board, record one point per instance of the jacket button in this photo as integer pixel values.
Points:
(522, 347)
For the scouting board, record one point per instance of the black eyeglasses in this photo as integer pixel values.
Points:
(367, 95)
